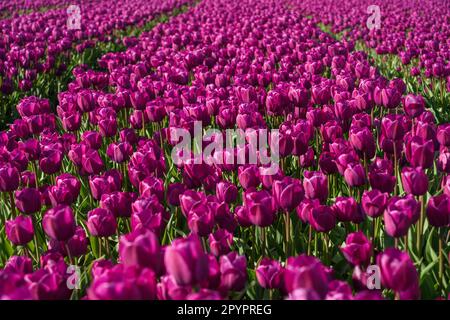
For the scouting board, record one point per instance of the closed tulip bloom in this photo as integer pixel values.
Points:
(91, 162)
(248, 176)
(28, 200)
(51, 161)
(339, 290)
(355, 175)
(374, 202)
(186, 261)
(101, 223)
(226, 191)
(9, 178)
(419, 152)
(201, 219)
(322, 218)
(438, 211)
(168, 289)
(119, 203)
(414, 181)
(220, 242)
(305, 207)
(123, 283)
(346, 209)
(174, 190)
(46, 284)
(140, 248)
(204, 294)
(260, 208)
(413, 105)
(233, 270)
(59, 223)
(381, 176)
(315, 184)
(393, 126)
(327, 163)
(363, 141)
(189, 198)
(93, 139)
(397, 270)
(368, 295)
(269, 274)
(303, 294)
(119, 152)
(77, 244)
(400, 214)
(288, 193)
(152, 186)
(20, 230)
(306, 272)
(19, 264)
(357, 249)
(443, 134)
(242, 217)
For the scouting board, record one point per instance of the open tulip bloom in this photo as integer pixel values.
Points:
(199, 150)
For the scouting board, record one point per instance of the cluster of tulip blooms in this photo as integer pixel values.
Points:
(44, 43)
(412, 41)
(359, 208)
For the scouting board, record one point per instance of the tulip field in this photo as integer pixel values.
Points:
(224, 150)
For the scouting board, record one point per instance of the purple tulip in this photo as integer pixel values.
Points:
(269, 274)
(397, 270)
(9, 178)
(226, 191)
(59, 223)
(413, 105)
(140, 248)
(374, 202)
(438, 211)
(233, 270)
(186, 261)
(123, 283)
(220, 242)
(400, 214)
(20, 230)
(355, 175)
(28, 200)
(414, 181)
(357, 249)
(315, 184)
(419, 152)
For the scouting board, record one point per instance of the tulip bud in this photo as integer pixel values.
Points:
(186, 262)
(374, 202)
(438, 211)
(101, 223)
(315, 184)
(28, 200)
(20, 230)
(233, 270)
(397, 270)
